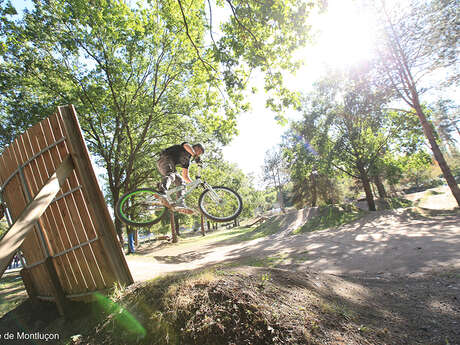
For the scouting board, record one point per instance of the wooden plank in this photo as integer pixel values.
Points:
(10, 166)
(25, 222)
(16, 200)
(61, 223)
(32, 185)
(40, 176)
(35, 241)
(73, 224)
(29, 284)
(60, 242)
(40, 277)
(57, 291)
(42, 173)
(103, 221)
(84, 232)
(102, 267)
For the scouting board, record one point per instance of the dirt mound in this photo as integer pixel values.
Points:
(248, 305)
(291, 221)
(435, 198)
(236, 306)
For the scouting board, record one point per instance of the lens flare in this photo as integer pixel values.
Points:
(122, 317)
(306, 144)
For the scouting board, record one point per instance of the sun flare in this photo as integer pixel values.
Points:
(345, 35)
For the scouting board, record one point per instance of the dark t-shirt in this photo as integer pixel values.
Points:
(178, 154)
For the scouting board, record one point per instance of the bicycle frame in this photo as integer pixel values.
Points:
(189, 188)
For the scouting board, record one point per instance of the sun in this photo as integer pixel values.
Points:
(345, 34)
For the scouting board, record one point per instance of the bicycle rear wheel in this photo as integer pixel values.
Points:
(140, 207)
(220, 204)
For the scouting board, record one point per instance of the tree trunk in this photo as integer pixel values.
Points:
(380, 187)
(202, 226)
(119, 229)
(314, 193)
(280, 197)
(367, 189)
(173, 227)
(436, 151)
(176, 221)
(393, 190)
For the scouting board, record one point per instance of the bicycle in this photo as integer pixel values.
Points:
(146, 206)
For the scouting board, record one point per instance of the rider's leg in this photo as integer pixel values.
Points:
(167, 169)
(179, 181)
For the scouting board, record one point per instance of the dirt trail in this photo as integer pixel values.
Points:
(386, 242)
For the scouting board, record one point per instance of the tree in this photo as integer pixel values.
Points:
(355, 128)
(275, 173)
(141, 76)
(347, 128)
(306, 144)
(438, 35)
(446, 119)
(132, 77)
(406, 55)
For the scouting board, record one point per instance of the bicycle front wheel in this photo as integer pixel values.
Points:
(140, 207)
(220, 204)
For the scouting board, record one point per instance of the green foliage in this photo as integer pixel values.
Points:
(343, 130)
(331, 216)
(275, 173)
(264, 35)
(347, 130)
(395, 202)
(438, 35)
(415, 168)
(3, 227)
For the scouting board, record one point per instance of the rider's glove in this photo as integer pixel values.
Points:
(198, 160)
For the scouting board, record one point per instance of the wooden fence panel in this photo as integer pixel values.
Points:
(73, 250)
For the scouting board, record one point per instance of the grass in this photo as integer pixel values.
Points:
(331, 216)
(339, 310)
(221, 236)
(269, 261)
(12, 292)
(242, 234)
(398, 203)
(270, 227)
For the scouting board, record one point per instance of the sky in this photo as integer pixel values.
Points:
(343, 36)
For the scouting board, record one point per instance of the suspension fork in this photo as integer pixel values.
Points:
(212, 193)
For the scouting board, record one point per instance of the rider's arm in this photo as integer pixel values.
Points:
(185, 175)
(189, 149)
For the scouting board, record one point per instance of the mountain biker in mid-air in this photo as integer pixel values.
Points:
(170, 158)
